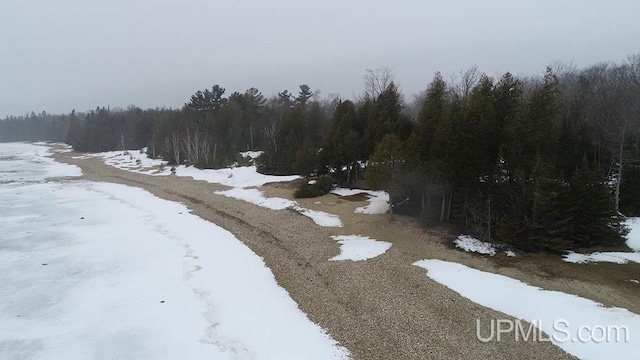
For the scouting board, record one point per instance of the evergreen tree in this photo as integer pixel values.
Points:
(385, 169)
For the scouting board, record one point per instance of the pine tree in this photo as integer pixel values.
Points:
(385, 169)
(594, 221)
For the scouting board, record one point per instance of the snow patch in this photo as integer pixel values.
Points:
(617, 257)
(470, 244)
(320, 217)
(251, 154)
(357, 247)
(257, 197)
(633, 238)
(544, 307)
(244, 176)
(378, 200)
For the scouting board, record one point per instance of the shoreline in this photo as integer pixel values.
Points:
(379, 308)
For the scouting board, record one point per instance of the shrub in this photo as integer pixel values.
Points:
(321, 186)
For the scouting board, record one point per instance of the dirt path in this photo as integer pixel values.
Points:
(383, 308)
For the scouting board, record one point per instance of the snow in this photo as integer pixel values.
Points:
(548, 309)
(251, 154)
(132, 160)
(510, 253)
(378, 200)
(257, 197)
(137, 161)
(245, 176)
(99, 270)
(13, 166)
(238, 178)
(633, 238)
(618, 257)
(470, 244)
(635, 281)
(320, 217)
(357, 247)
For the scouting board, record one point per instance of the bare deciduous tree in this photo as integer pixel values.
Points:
(613, 110)
(465, 81)
(175, 147)
(378, 80)
(271, 131)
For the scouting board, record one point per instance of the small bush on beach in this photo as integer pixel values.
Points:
(321, 186)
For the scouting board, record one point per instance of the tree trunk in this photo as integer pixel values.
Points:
(442, 207)
(251, 136)
(619, 179)
(450, 204)
(489, 220)
(355, 170)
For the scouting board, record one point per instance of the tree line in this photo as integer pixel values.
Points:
(542, 163)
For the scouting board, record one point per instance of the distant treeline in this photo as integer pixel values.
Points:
(541, 163)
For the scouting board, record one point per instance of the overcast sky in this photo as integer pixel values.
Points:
(77, 54)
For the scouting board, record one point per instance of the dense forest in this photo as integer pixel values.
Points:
(544, 163)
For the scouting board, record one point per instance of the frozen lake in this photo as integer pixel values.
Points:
(103, 271)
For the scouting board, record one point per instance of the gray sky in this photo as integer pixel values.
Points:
(65, 54)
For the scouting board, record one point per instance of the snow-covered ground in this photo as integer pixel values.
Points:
(378, 200)
(132, 160)
(357, 247)
(573, 323)
(138, 161)
(239, 177)
(98, 270)
(618, 257)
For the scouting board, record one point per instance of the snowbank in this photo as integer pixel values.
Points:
(563, 317)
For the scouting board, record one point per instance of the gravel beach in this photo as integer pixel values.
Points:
(382, 308)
